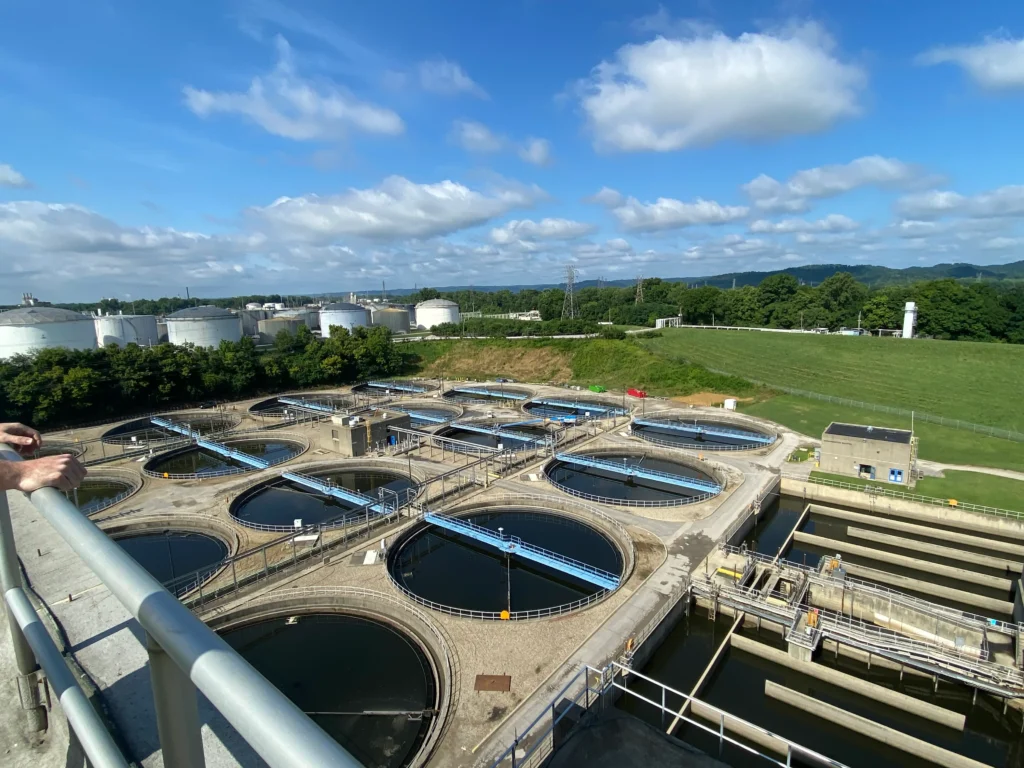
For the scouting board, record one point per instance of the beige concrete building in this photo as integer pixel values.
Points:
(870, 453)
(358, 435)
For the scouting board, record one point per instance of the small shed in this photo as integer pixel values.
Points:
(869, 453)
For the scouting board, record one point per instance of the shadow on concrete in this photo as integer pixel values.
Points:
(130, 624)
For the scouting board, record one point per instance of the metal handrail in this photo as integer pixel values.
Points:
(274, 727)
(677, 502)
(644, 435)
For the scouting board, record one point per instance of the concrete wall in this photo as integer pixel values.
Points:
(843, 455)
(358, 440)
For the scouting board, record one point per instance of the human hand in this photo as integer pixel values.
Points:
(24, 440)
(63, 472)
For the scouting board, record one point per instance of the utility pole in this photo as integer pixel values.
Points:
(569, 302)
(639, 289)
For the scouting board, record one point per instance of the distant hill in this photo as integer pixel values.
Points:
(812, 274)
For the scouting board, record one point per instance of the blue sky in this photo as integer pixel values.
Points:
(263, 146)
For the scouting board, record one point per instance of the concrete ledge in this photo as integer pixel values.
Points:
(869, 728)
(1001, 607)
(987, 561)
(850, 683)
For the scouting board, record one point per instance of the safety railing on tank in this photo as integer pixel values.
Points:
(394, 501)
(116, 477)
(874, 490)
(643, 434)
(593, 690)
(184, 656)
(677, 502)
(227, 471)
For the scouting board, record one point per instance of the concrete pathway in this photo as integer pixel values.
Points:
(937, 467)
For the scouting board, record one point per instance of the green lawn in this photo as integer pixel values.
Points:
(973, 381)
(965, 487)
(950, 446)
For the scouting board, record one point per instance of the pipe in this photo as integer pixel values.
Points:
(913, 563)
(869, 728)
(988, 561)
(839, 679)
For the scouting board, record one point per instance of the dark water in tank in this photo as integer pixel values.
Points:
(169, 555)
(495, 396)
(282, 501)
(440, 413)
(145, 429)
(492, 441)
(457, 571)
(274, 407)
(595, 409)
(200, 461)
(599, 482)
(737, 686)
(96, 494)
(339, 669)
(694, 440)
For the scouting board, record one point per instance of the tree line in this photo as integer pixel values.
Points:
(62, 387)
(501, 327)
(947, 308)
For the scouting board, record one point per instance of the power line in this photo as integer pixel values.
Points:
(569, 302)
(639, 289)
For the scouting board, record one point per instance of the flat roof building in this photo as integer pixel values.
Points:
(869, 453)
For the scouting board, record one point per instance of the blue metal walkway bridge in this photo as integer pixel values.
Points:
(398, 386)
(498, 394)
(583, 407)
(307, 405)
(425, 417)
(507, 434)
(704, 429)
(513, 545)
(632, 470)
(210, 445)
(352, 497)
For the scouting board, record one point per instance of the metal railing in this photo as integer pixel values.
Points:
(676, 502)
(115, 478)
(537, 741)
(643, 434)
(184, 655)
(303, 446)
(874, 490)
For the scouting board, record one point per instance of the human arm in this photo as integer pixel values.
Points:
(24, 440)
(63, 472)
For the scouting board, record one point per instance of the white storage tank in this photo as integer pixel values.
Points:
(395, 318)
(203, 326)
(250, 320)
(269, 328)
(909, 319)
(28, 329)
(126, 329)
(309, 317)
(344, 315)
(436, 311)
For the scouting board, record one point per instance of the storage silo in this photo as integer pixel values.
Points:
(344, 315)
(269, 328)
(250, 320)
(395, 318)
(28, 329)
(203, 326)
(309, 317)
(436, 311)
(126, 329)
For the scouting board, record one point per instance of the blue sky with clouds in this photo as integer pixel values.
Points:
(259, 145)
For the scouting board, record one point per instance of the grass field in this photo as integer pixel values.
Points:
(944, 444)
(977, 382)
(965, 487)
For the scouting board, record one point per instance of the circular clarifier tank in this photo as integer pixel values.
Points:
(364, 679)
(177, 558)
(489, 394)
(509, 435)
(631, 478)
(98, 492)
(424, 414)
(701, 434)
(278, 502)
(454, 572)
(572, 408)
(395, 387)
(315, 402)
(145, 431)
(196, 461)
(58, 448)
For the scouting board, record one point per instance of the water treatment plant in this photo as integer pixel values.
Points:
(502, 574)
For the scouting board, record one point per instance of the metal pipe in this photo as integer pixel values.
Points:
(25, 660)
(90, 730)
(272, 725)
(177, 711)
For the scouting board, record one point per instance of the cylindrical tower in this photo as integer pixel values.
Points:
(127, 329)
(344, 315)
(203, 326)
(435, 312)
(395, 318)
(28, 329)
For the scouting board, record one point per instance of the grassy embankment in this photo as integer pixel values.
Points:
(972, 487)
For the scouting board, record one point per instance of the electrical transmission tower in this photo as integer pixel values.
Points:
(639, 289)
(569, 303)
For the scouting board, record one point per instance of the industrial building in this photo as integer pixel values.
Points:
(515, 577)
(126, 329)
(205, 326)
(435, 312)
(869, 453)
(29, 329)
(343, 315)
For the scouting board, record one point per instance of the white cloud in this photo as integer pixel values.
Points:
(995, 64)
(536, 151)
(545, 229)
(397, 209)
(666, 213)
(285, 104)
(832, 223)
(11, 178)
(796, 194)
(673, 93)
(448, 79)
(476, 137)
(1005, 201)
